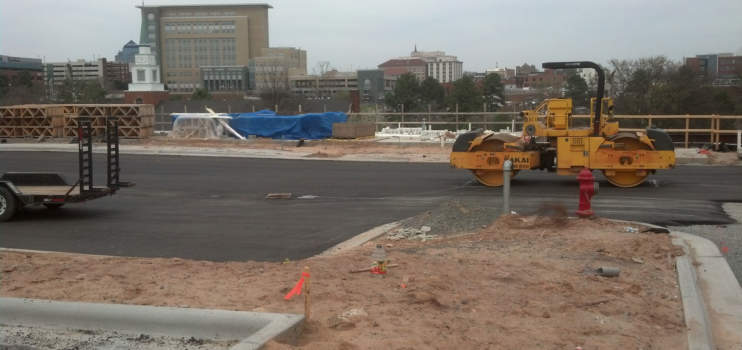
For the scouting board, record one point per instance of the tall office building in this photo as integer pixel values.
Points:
(184, 38)
(127, 53)
(274, 64)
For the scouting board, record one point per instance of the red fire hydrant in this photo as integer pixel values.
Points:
(588, 188)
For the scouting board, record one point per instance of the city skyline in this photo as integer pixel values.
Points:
(358, 36)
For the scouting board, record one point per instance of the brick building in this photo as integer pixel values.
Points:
(118, 71)
(11, 66)
(413, 65)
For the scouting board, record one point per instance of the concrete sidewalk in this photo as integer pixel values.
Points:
(45, 319)
(683, 156)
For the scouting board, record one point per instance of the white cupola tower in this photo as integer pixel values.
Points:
(145, 73)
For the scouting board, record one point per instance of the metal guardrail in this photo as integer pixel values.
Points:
(490, 120)
(475, 120)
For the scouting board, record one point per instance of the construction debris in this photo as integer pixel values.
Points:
(410, 234)
(278, 196)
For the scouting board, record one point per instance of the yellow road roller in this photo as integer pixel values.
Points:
(550, 142)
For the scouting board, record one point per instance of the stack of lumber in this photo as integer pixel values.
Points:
(135, 121)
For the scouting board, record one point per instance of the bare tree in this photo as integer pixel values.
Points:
(275, 87)
(276, 90)
(321, 71)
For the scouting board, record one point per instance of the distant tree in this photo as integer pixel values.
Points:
(93, 92)
(120, 85)
(201, 94)
(23, 78)
(4, 84)
(577, 90)
(432, 93)
(18, 95)
(494, 91)
(175, 97)
(684, 93)
(342, 94)
(81, 91)
(466, 95)
(637, 85)
(406, 92)
(637, 92)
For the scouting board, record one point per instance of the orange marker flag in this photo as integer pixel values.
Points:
(297, 288)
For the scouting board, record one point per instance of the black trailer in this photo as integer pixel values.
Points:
(18, 190)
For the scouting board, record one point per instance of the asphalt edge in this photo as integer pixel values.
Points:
(717, 275)
(230, 154)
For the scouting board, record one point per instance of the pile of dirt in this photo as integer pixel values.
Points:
(323, 155)
(508, 286)
(453, 217)
(718, 158)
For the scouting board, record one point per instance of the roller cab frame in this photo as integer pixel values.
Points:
(18, 189)
(550, 142)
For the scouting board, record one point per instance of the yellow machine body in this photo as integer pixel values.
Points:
(550, 142)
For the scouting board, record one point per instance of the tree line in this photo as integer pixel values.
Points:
(412, 95)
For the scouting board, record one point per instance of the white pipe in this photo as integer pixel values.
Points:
(739, 140)
(221, 121)
(507, 166)
(513, 125)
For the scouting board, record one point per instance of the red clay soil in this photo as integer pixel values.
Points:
(517, 284)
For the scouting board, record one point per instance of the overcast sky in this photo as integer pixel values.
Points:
(364, 34)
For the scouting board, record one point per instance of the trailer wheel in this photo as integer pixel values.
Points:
(8, 205)
(52, 206)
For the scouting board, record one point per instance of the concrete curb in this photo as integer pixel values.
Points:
(694, 310)
(359, 239)
(720, 290)
(713, 288)
(246, 153)
(14, 250)
(254, 329)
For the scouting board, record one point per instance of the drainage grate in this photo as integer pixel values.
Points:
(278, 196)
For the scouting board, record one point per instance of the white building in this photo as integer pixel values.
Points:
(145, 73)
(78, 70)
(503, 72)
(444, 68)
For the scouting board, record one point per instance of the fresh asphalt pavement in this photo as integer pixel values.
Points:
(209, 208)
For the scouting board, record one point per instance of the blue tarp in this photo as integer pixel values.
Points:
(266, 123)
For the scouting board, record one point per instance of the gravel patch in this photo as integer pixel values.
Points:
(728, 238)
(453, 217)
(34, 338)
(724, 236)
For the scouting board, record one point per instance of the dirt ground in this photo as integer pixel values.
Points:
(516, 284)
(321, 148)
(719, 158)
(426, 152)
